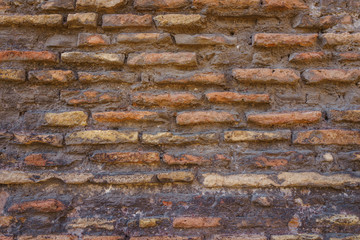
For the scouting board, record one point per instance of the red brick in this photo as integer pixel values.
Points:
(160, 4)
(44, 56)
(349, 56)
(151, 59)
(43, 206)
(52, 76)
(91, 40)
(307, 57)
(126, 157)
(205, 39)
(345, 115)
(328, 137)
(230, 4)
(12, 75)
(100, 5)
(165, 100)
(196, 222)
(284, 40)
(110, 76)
(284, 5)
(131, 116)
(51, 20)
(126, 20)
(88, 97)
(266, 75)
(80, 20)
(233, 97)
(31, 138)
(205, 117)
(49, 160)
(280, 119)
(37, 160)
(331, 75)
(185, 159)
(144, 38)
(198, 79)
(263, 161)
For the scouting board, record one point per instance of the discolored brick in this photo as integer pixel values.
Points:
(100, 5)
(153, 59)
(244, 136)
(185, 159)
(284, 40)
(144, 38)
(205, 117)
(178, 176)
(165, 99)
(179, 20)
(172, 138)
(308, 57)
(281, 119)
(345, 115)
(285, 5)
(52, 76)
(196, 222)
(43, 206)
(108, 76)
(130, 116)
(160, 4)
(266, 75)
(51, 20)
(66, 119)
(33, 138)
(331, 75)
(12, 75)
(233, 97)
(92, 40)
(77, 97)
(28, 56)
(196, 79)
(205, 39)
(100, 137)
(80, 20)
(126, 157)
(328, 137)
(93, 57)
(126, 20)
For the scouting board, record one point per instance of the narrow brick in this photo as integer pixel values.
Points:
(100, 137)
(51, 20)
(226, 4)
(208, 78)
(110, 76)
(144, 38)
(93, 223)
(284, 119)
(28, 56)
(328, 137)
(179, 20)
(48, 160)
(66, 119)
(165, 238)
(160, 4)
(245, 136)
(308, 57)
(32, 138)
(185, 159)
(87, 237)
(339, 219)
(130, 116)
(239, 237)
(126, 157)
(205, 39)
(351, 237)
(126, 20)
(266, 75)
(43, 206)
(238, 180)
(52, 76)
(14, 177)
(92, 57)
(196, 222)
(205, 117)
(57, 5)
(345, 115)
(234, 97)
(332, 39)
(178, 176)
(66, 177)
(296, 237)
(48, 237)
(12, 75)
(349, 56)
(92, 40)
(284, 40)
(167, 58)
(77, 97)
(307, 21)
(161, 138)
(165, 100)
(331, 75)
(100, 5)
(133, 179)
(80, 20)
(275, 5)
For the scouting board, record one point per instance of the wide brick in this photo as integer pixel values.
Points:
(349, 56)
(43, 206)
(78, 97)
(161, 138)
(61, 41)
(281, 119)
(66, 119)
(32, 138)
(307, 21)
(227, 4)
(167, 58)
(12, 75)
(244, 136)
(328, 137)
(233, 97)
(266, 75)
(205, 117)
(30, 56)
(87, 237)
(51, 20)
(165, 238)
(160, 4)
(331, 39)
(100, 137)
(331, 75)
(339, 219)
(208, 78)
(66, 177)
(48, 237)
(93, 57)
(178, 176)
(110, 76)
(165, 99)
(284, 40)
(238, 180)
(307, 57)
(205, 39)
(345, 115)
(126, 20)
(130, 116)
(136, 179)
(351, 237)
(92, 40)
(48, 160)
(185, 159)
(179, 20)
(239, 237)
(284, 5)
(79, 20)
(126, 157)
(100, 5)
(52, 76)
(196, 222)
(296, 237)
(92, 223)
(15, 177)
(144, 38)
(57, 5)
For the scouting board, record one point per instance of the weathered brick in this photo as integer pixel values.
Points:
(205, 39)
(52, 76)
(126, 179)
(87, 97)
(51, 20)
(44, 206)
(238, 180)
(62, 41)
(351, 237)
(196, 222)
(48, 160)
(49, 237)
(144, 38)
(330, 39)
(111, 76)
(5, 221)
(103, 237)
(340, 219)
(66, 119)
(345, 115)
(161, 138)
(126, 20)
(227, 4)
(160, 4)
(239, 237)
(185, 159)
(167, 58)
(92, 40)
(68, 177)
(179, 20)
(32, 138)
(165, 238)
(284, 5)
(281, 119)
(205, 117)
(93, 223)
(266, 75)
(197, 79)
(57, 5)
(297, 237)
(331, 75)
(284, 40)
(349, 56)
(79, 20)
(100, 137)
(178, 176)
(12, 75)
(328, 137)
(130, 116)
(126, 157)
(165, 99)
(30, 56)
(307, 57)
(148, 222)
(92, 57)
(307, 21)
(234, 97)
(100, 5)
(14, 177)
(244, 136)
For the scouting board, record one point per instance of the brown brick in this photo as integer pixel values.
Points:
(297, 237)
(66, 119)
(144, 38)
(79, 20)
(126, 157)
(228, 4)
(32, 138)
(307, 21)
(266, 75)
(52, 76)
(284, 5)
(92, 57)
(196, 222)
(167, 58)
(283, 119)
(244, 136)
(178, 176)
(185, 159)
(205, 39)
(31, 56)
(307, 57)
(92, 40)
(165, 238)
(43, 206)
(51, 20)
(160, 4)
(78, 97)
(349, 56)
(48, 237)
(239, 237)
(331, 75)
(93, 223)
(330, 39)
(345, 115)
(48, 160)
(130, 116)
(284, 40)
(328, 137)
(179, 20)
(161, 138)
(126, 20)
(111, 76)
(103, 238)
(100, 137)
(57, 5)
(238, 180)
(208, 78)
(233, 97)
(205, 117)
(100, 5)
(165, 100)
(12, 75)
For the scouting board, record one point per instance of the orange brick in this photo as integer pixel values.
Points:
(198, 79)
(280, 119)
(233, 97)
(160, 4)
(205, 117)
(151, 59)
(165, 100)
(196, 222)
(285, 5)
(44, 56)
(52, 76)
(331, 75)
(126, 20)
(266, 75)
(185, 159)
(91, 40)
(307, 57)
(132, 116)
(44, 206)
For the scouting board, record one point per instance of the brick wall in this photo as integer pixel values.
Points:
(179, 119)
